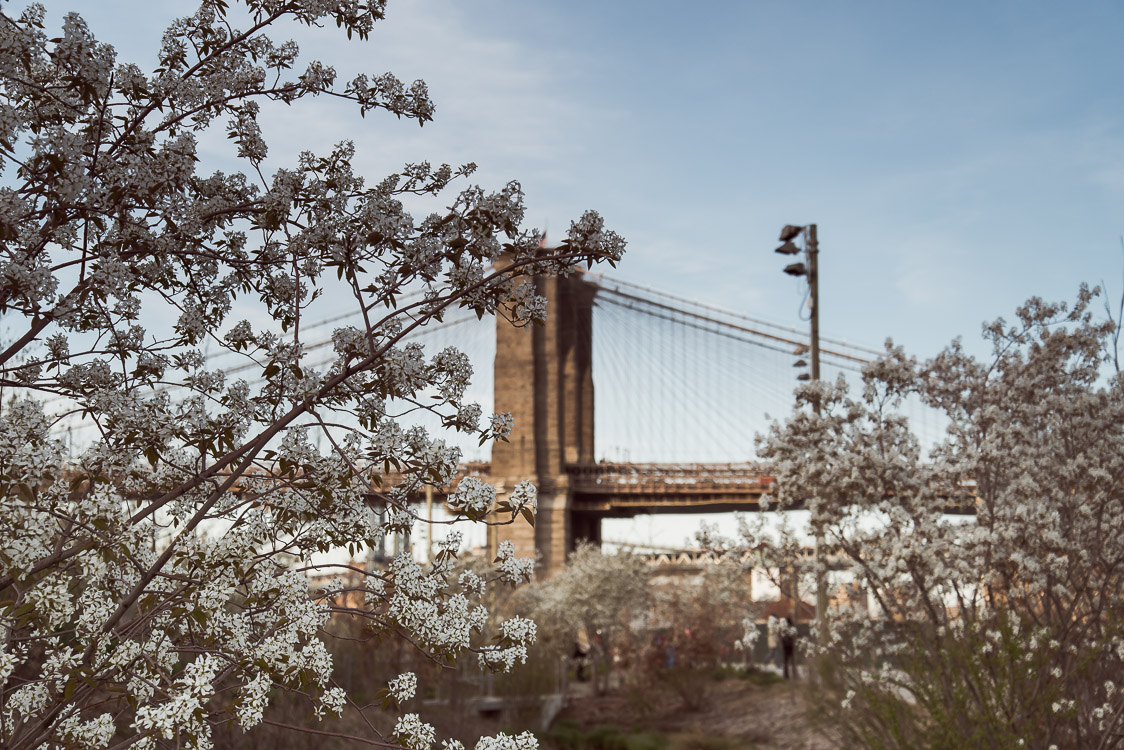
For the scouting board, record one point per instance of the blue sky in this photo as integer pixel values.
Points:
(957, 157)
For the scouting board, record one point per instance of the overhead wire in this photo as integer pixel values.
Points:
(689, 324)
(716, 415)
(708, 421)
(607, 282)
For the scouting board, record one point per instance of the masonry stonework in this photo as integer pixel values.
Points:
(544, 378)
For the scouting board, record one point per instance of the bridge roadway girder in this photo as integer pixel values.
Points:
(625, 490)
(611, 506)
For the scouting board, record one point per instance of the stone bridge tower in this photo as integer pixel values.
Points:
(544, 377)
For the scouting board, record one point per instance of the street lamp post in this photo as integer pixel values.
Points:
(812, 251)
(810, 269)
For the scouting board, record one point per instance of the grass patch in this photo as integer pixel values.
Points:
(754, 676)
(567, 734)
(686, 741)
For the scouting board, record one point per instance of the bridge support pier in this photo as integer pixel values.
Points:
(586, 527)
(544, 378)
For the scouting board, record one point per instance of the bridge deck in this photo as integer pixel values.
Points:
(627, 489)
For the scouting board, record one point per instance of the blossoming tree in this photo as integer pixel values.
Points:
(1002, 630)
(154, 583)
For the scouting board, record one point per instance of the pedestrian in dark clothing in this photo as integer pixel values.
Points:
(581, 662)
(788, 646)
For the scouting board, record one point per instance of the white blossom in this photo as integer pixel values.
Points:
(413, 733)
(403, 686)
(502, 741)
(474, 496)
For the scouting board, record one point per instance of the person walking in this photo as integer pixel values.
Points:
(788, 647)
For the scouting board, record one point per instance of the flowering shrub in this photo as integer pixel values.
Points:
(155, 583)
(1004, 630)
(596, 605)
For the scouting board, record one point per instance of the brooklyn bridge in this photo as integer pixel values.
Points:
(682, 382)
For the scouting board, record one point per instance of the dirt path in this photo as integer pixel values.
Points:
(752, 716)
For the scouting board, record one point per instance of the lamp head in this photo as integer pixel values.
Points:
(790, 232)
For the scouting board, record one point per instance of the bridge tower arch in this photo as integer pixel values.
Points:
(544, 378)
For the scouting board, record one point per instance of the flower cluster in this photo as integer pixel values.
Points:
(473, 496)
(511, 568)
(525, 495)
(413, 733)
(403, 686)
